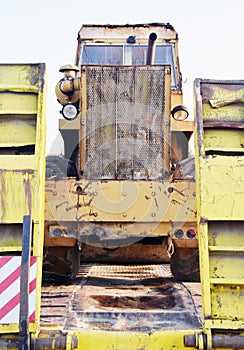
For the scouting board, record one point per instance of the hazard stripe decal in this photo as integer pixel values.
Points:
(10, 280)
(4, 260)
(13, 276)
(10, 289)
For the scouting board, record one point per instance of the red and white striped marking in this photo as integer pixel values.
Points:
(10, 269)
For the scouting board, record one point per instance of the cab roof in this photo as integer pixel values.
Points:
(94, 32)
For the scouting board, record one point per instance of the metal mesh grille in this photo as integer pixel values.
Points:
(125, 118)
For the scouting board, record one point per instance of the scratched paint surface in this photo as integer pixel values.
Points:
(16, 195)
(222, 191)
(120, 201)
(22, 164)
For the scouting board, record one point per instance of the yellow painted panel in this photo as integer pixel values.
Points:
(23, 103)
(14, 328)
(220, 198)
(19, 75)
(19, 87)
(17, 195)
(227, 265)
(222, 183)
(226, 234)
(226, 302)
(17, 133)
(22, 110)
(21, 162)
(120, 201)
(222, 102)
(232, 113)
(224, 140)
(168, 340)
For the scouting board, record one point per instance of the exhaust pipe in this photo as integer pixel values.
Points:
(151, 48)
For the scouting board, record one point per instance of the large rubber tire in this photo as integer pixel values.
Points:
(184, 264)
(60, 264)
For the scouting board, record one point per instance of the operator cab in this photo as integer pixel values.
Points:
(103, 48)
(127, 55)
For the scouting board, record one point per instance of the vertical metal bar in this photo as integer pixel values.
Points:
(83, 119)
(133, 122)
(24, 337)
(116, 122)
(166, 119)
(199, 126)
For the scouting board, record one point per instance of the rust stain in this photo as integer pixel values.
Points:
(91, 213)
(61, 204)
(23, 172)
(78, 204)
(78, 218)
(138, 302)
(119, 297)
(80, 191)
(156, 202)
(175, 202)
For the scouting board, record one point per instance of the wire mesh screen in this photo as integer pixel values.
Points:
(124, 122)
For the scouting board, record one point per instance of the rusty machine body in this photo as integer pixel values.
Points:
(124, 182)
(123, 195)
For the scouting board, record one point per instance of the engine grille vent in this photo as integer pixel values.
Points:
(124, 122)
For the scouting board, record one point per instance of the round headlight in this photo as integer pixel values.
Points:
(69, 112)
(180, 113)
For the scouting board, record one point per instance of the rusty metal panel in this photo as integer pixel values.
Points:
(19, 92)
(118, 32)
(226, 303)
(127, 122)
(223, 115)
(22, 164)
(22, 145)
(223, 101)
(17, 189)
(122, 307)
(222, 187)
(105, 297)
(120, 201)
(220, 197)
(224, 140)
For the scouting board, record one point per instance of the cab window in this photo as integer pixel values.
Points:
(127, 55)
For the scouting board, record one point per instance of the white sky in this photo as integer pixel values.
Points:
(210, 32)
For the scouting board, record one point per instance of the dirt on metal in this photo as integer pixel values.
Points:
(104, 297)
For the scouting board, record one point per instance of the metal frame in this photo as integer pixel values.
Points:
(220, 216)
(22, 95)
